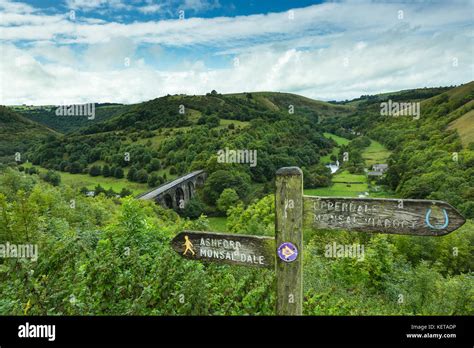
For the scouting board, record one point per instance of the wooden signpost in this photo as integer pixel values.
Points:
(289, 232)
(393, 216)
(293, 211)
(234, 249)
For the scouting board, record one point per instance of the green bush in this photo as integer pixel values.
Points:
(52, 177)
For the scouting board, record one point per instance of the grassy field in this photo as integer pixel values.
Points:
(338, 190)
(375, 153)
(327, 159)
(342, 186)
(193, 115)
(85, 180)
(237, 123)
(345, 177)
(465, 127)
(218, 223)
(342, 190)
(154, 141)
(339, 140)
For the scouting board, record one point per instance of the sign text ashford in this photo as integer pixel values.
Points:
(226, 248)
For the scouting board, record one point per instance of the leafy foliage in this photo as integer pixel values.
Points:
(227, 199)
(104, 258)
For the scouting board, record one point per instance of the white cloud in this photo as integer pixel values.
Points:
(111, 55)
(152, 8)
(91, 5)
(15, 7)
(199, 5)
(305, 55)
(338, 17)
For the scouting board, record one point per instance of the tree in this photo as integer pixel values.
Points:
(52, 177)
(227, 199)
(118, 173)
(106, 171)
(125, 192)
(32, 170)
(258, 218)
(75, 168)
(173, 170)
(98, 190)
(141, 176)
(132, 172)
(317, 176)
(153, 180)
(95, 170)
(155, 164)
(222, 179)
(193, 209)
(64, 166)
(212, 121)
(160, 180)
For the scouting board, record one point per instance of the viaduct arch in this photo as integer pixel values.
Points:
(176, 194)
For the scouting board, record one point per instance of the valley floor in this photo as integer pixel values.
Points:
(345, 184)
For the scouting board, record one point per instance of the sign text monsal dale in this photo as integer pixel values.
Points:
(226, 248)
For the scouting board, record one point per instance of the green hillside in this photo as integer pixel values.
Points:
(17, 134)
(173, 135)
(428, 157)
(182, 110)
(417, 94)
(464, 125)
(46, 115)
(283, 102)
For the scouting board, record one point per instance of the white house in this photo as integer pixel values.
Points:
(380, 167)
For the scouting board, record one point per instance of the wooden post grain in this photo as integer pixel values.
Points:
(288, 231)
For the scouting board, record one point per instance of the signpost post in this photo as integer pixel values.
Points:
(293, 211)
(289, 240)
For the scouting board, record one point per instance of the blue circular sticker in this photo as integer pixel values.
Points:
(287, 252)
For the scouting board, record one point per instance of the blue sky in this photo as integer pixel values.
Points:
(142, 10)
(76, 51)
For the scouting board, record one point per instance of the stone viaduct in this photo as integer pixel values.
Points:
(177, 193)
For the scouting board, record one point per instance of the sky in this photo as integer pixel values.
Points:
(128, 51)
